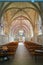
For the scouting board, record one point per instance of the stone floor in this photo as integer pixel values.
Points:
(23, 57)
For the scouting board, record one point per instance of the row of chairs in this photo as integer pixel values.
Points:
(34, 48)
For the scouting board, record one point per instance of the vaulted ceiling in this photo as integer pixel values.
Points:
(13, 12)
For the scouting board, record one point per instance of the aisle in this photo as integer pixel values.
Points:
(22, 56)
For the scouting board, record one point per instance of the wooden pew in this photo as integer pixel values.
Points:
(12, 46)
(33, 47)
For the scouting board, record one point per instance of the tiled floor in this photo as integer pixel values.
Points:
(22, 57)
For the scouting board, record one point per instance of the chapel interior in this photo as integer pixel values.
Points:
(21, 33)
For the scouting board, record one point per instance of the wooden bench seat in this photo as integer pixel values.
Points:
(9, 53)
(12, 46)
(32, 47)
